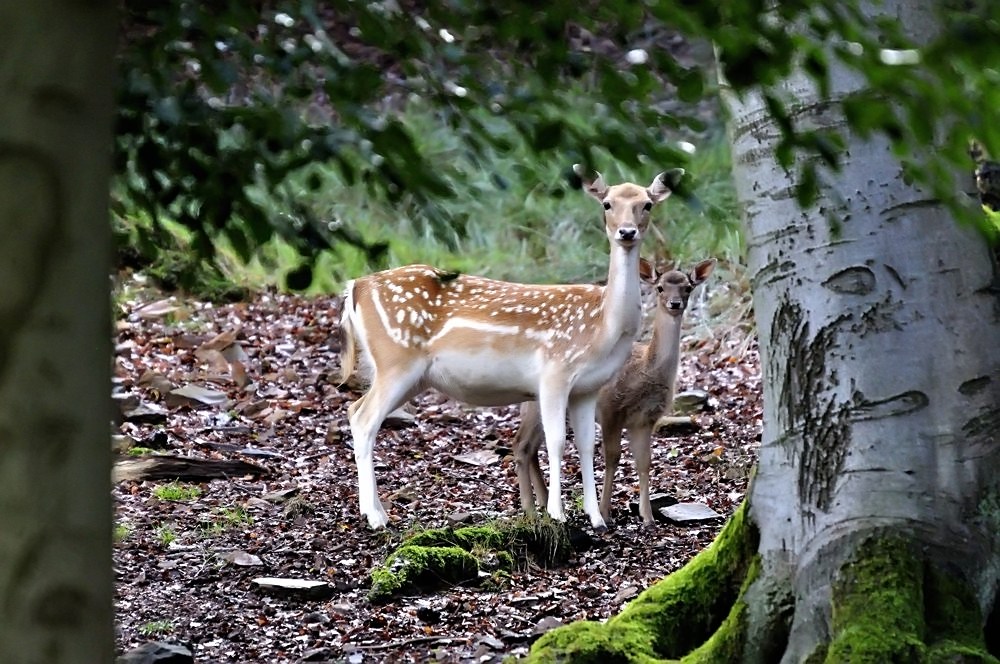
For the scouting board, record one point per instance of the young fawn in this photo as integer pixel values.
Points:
(488, 342)
(641, 393)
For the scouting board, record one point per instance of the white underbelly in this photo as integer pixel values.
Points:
(484, 378)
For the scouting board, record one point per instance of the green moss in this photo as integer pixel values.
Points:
(892, 605)
(878, 605)
(431, 558)
(468, 538)
(412, 567)
(695, 607)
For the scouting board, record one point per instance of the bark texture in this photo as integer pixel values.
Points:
(876, 496)
(55, 137)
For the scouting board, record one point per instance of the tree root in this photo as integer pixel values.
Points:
(696, 613)
(893, 604)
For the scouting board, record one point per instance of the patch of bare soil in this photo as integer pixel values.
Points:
(255, 382)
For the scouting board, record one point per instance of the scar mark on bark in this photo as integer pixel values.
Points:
(880, 317)
(30, 207)
(895, 275)
(900, 404)
(985, 424)
(974, 385)
(806, 402)
(773, 271)
(858, 280)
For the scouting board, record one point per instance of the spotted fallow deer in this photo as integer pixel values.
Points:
(641, 392)
(489, 342)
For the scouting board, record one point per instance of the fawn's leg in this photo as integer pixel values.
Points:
(638, 442)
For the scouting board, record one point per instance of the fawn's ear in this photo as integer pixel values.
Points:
(702, 271)
(664, 184)
(647, 272)
(593, 182)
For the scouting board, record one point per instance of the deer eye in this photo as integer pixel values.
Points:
(607, 205)
(659, 289)
(647, 207)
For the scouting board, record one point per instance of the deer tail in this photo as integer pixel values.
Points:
(348, 342)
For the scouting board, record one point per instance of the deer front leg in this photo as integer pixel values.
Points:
(638, 442)
(611, 444)
(365, 416)
(581, 416)
(552, 404)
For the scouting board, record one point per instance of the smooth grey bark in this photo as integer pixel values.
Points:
(878, 331)
(56, 102)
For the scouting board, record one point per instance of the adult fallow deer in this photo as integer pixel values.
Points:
(635, 400)
(489, 343)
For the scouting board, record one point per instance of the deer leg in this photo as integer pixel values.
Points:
(638, 442)
(611, 444)
(527, 441)
(537, 479)
(581, 418)
(552, 405)
(388, 392)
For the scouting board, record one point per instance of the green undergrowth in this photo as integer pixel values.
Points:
(513, 216)
(442, 557)
(695, 614)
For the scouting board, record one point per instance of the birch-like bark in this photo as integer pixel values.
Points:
(878, 330)
(56, 68)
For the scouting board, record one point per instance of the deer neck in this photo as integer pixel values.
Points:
(663, 351)
(621, 301)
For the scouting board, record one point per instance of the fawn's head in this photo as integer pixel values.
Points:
(673, 288)
(627, 205)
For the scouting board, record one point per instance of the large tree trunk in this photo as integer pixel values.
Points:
(872, 523)
(56, 67)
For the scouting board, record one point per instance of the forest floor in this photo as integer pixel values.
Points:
(256, 382)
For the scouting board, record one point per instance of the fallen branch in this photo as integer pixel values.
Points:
(181, 468)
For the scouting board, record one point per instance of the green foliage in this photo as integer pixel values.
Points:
(155, 627)
(140, 451)
(223, 519)
(165, 535)
(122, 531)
(227, 110)
(504, 225)
(176, 491)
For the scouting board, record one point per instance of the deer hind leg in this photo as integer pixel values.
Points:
(527, 442)
(638, 442)
(611, 444)
(388, 391)
(581, 418)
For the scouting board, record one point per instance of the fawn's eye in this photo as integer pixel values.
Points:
(659, 289)
(607, 205)
(647, 207)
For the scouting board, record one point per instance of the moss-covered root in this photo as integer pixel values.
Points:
(433, 558)
(890, 604)
(695, 611)
(414, 566)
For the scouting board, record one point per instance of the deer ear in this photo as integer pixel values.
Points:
(664, 184)
(592, 182)
(647, 272)
(702, 271)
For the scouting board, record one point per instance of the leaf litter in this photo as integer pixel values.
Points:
(257, 382)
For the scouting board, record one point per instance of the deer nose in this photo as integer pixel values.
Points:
(627, 233)
(674, 304)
